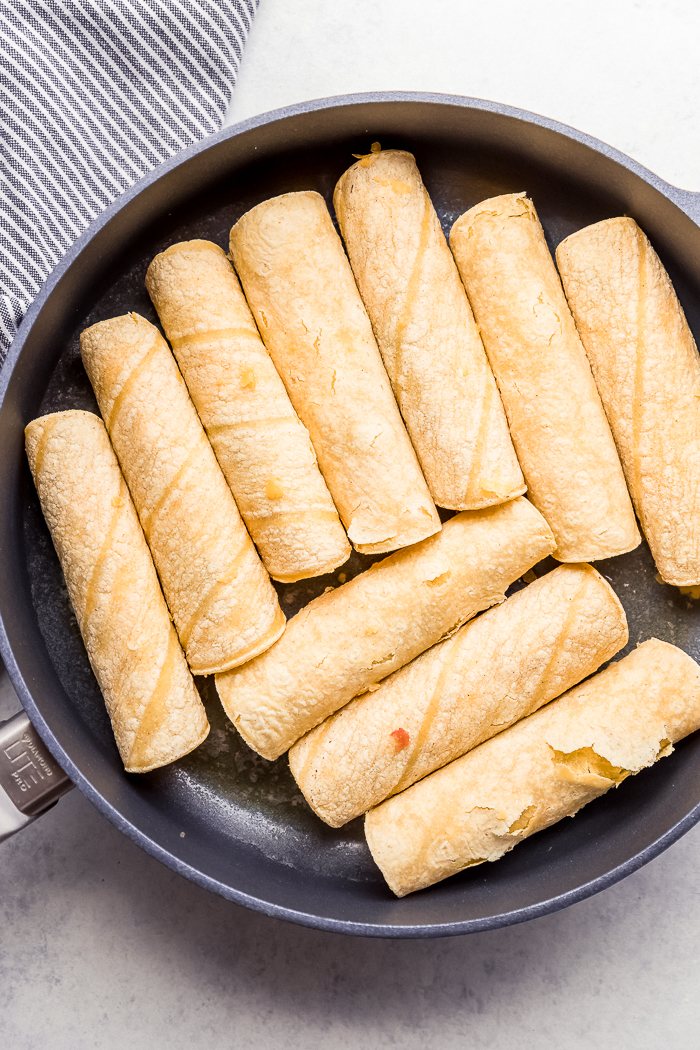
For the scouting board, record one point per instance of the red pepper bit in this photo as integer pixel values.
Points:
(401, 739)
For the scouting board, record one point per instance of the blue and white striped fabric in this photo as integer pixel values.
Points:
(94, 94)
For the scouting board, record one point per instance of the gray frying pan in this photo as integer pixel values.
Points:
(248, 834)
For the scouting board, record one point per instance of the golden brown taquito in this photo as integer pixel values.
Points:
(221, 599)
(155, 709)
(350, 638)
(299, 284)
(495, 670)
(556, 418)
(542, 769)
(261, 445)
(426, 333)
(646, 365)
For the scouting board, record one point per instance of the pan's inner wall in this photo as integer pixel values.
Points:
(245, 824)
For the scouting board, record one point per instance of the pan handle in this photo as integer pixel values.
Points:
(31, 781)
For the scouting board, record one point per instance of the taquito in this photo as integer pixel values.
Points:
(542, 769)
(261, 445)
(221, 599)
(151, 699)
(299, 284)
(556, 418)
(492, 672)
(426, 333)
(346, 640)
(646, 365)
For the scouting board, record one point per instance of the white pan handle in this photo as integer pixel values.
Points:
(31, 781)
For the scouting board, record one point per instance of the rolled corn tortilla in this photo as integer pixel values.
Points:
(261, 445)
(299, 284)
(495, 670)
(426, 333)
(151, 699)
(556, 418)
(542, 769)
(221, 599)
(348, 639)
(646, 365)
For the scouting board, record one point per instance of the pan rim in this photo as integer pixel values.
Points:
(687, 201)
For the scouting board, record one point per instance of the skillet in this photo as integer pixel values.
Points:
(248, 833)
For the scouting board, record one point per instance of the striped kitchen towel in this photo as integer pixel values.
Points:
(94, 94)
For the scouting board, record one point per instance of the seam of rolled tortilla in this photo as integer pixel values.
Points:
(495, 670)
(426, 333)
(348, 639)
(543, 768)
(557, 421)
(262, 447)
(221, 599)
(645, 363)
(155, 709)
(301, 290)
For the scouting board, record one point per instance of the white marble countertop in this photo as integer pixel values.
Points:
(101, 946)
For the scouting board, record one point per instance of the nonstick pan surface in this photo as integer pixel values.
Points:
(224, 817)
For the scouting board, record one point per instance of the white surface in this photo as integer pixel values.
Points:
(626, 71)
(11, 819)
(100, 946)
